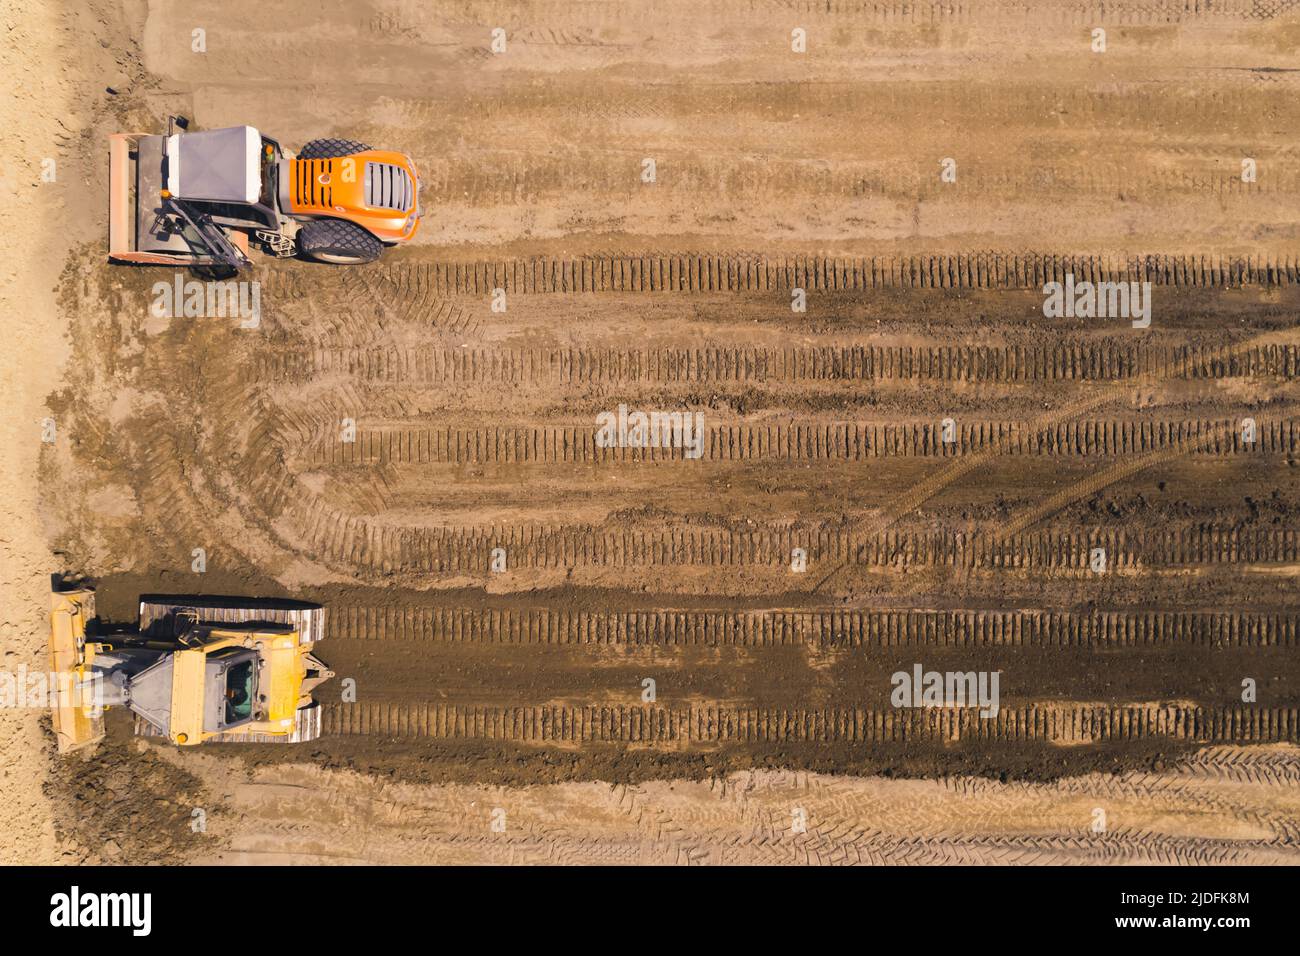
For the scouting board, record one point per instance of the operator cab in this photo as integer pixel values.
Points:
(231, 677)
(229, 174)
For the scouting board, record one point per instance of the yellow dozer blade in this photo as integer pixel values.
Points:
(78, 721)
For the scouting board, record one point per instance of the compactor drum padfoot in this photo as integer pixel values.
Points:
(195, 670)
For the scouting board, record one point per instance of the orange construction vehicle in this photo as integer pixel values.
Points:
(203, 198)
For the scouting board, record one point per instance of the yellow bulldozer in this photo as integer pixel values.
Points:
(194, 670)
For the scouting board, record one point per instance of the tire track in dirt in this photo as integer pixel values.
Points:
(1255, 767)
(527, 173)
(913, 498)
(1180, 448)
(1230, 769)
(1126, 12)
(887, 13)
(745, 818)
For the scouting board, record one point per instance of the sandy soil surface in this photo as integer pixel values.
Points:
(521, 690)
(1224, 806)
(53, 117)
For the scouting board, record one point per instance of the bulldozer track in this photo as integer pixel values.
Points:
(816, 628)
(754, 365)
(755, 273)
(842, 441)
(359, 544)
(336, 535)
(1062, 724)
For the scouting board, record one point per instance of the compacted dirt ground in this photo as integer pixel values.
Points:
(835, 259)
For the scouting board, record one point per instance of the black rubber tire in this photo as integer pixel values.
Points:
(337, 242)
(331, 148)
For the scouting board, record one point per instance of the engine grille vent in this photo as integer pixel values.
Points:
(389, 187)
(308, 190)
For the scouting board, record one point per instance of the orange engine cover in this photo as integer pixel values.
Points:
(377, 189)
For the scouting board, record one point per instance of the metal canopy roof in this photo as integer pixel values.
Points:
(218, 165)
